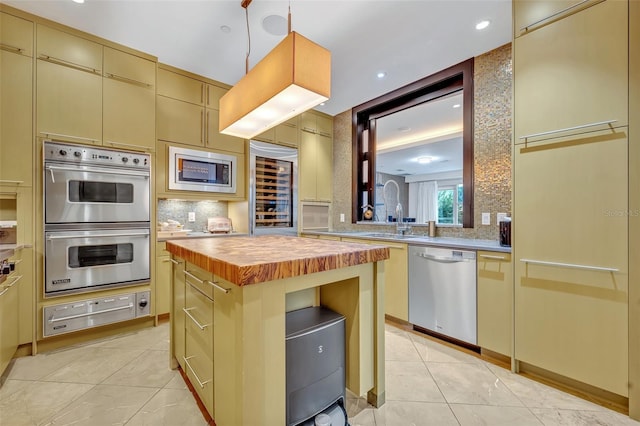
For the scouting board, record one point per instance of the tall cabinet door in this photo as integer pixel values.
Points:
(69, 86)
(129, 101)
(16, 50)
(573, 73)
(571, 265)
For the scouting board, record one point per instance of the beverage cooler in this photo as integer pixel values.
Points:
(274, 189)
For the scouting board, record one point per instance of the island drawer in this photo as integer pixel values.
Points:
(199, 368)
(199, 317)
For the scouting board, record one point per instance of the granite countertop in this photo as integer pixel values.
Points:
(421, 240)
(247, 260)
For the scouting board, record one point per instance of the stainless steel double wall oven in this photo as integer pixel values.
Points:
(97, 218)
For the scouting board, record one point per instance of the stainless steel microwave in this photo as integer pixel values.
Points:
(195, 170)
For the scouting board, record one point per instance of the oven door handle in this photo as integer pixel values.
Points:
(67, 237)
(53, 168)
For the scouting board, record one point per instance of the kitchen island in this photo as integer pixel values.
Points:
(230, 297)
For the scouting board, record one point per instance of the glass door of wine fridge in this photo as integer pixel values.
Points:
(274, 189)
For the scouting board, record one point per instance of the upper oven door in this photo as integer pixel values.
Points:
(81, 194)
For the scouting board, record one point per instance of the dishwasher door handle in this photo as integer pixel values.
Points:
(443, 259)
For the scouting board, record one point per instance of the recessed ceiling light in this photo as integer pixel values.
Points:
(225, 29)
(275, 25)
(482, 25)
(78, 1)
(381, 74)
(425, 160)
(456, 106)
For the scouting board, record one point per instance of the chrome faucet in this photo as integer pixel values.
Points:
(401, 226)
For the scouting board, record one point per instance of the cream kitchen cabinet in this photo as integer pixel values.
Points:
(282, 134)
(318, 123)
(162, 280)
(24, 268)
(68, 86)
(571, 257)
(205, 337)
(90, 93)
(16, 109)
(573, 74)
(495, 301)
(315, 166)
(129, 101)
(188, 112)
(396, 281)
(9, 323)
(530, 15)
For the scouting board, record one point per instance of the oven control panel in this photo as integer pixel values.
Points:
(80, 154)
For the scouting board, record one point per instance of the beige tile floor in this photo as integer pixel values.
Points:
(125, 380)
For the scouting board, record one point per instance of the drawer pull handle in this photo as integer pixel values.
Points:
(565, 10)
(200, 326)
(200, 291)
(11, 182)
(488, 256)
(568, 129)
(15, 280)
(211, 283)
(129, 146)
(175, 262)
(86, 314)
(569, 265)
(201, 383)
(10, 48)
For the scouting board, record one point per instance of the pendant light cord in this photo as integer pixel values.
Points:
(246, 64)
(289, 19)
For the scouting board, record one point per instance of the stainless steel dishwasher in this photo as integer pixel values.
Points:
(442, 291)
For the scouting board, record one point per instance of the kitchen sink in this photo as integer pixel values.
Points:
(389, 235)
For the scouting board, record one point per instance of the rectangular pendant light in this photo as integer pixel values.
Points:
(294, 77)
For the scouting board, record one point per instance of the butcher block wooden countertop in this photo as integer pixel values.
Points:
(256, 259)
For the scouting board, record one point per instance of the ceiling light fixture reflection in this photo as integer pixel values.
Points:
(78, 1)
(424, 160)
(381, 75)
(428, 137)
(482, 25)
(456, 106)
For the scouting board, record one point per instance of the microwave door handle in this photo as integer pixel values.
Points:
(97, 170)
(53, 178)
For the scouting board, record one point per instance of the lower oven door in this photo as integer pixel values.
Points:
(81, 194)
(80, 261)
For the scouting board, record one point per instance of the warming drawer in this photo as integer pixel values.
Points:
(74, 316)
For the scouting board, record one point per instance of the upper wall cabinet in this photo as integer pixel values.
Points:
(129, 100)
(90, 93)
(16, 113)
(530, 15)
(283, 134)
(69, 87)
(563, 87)
(188, 112)
(315, 158)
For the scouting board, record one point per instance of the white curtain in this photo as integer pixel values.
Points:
(427, 202)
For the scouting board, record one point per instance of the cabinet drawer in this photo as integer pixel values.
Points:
(199, 369)
(69, 50)
(180, 87)
(199, 318)
(129, 68)
(573, 73)
(16, 34)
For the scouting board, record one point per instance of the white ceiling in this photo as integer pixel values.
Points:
(406, 39)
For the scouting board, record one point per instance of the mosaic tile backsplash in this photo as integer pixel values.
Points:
(492, 152)
(179, 210)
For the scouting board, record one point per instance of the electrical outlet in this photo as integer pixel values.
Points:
(341, 217)
(500, 217)
(192, 216)
(486, 218)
